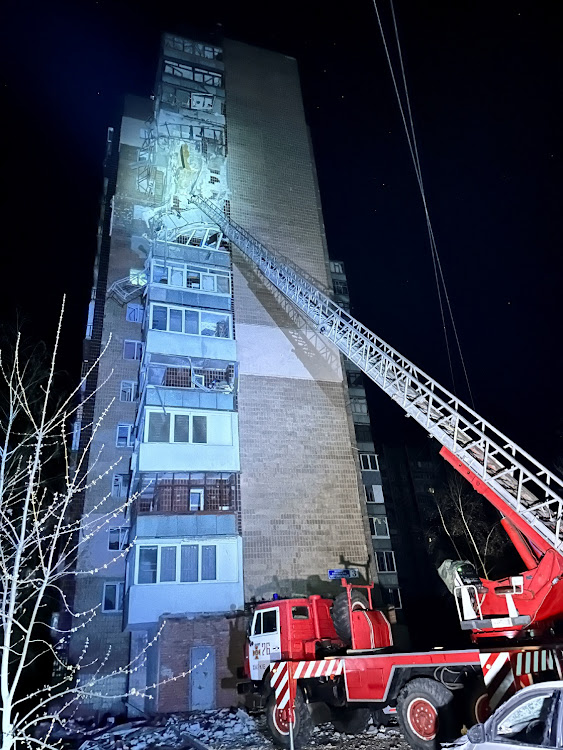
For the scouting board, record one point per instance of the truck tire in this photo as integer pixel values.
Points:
(425, 713)
(350, 720)
(278, 721)
(477, 704)
(341, 616)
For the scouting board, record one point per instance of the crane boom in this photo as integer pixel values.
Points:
(531, 494)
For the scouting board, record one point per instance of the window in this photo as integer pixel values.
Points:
(182, 427)
(190, 277)
(531, 722)
(336, 266)
(374, 493)
(196, 499)
(148, 557)
(167, 564)
(128, 391)
(124, 435)
(118, 538)
(132, 349)
(355, 379)
(359, 405)
(391, 597)
(363, 433)
(186, 563)
(189, 563)
(178, 97)
(190, 73)
(369, 462)
(208, 562)
(120, 485)
(113, 597)
(379, 527)
(340, 287)
(188, 320)
(187, 492)
(158, 427)
(385, 562)
(300, 613)
(193, 48)
(270, 621)
(134, 313)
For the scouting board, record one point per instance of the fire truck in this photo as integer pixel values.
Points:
(306, 651)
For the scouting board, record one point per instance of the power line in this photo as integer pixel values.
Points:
(413, 147)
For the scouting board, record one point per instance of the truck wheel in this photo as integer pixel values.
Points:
(425, 713)
(341, 615)
(278, 721)
(478, 707)
(350, 720)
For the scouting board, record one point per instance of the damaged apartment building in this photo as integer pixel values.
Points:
(229, 419)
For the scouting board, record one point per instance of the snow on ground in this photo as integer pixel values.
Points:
(232, 729)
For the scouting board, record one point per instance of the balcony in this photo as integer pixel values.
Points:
(179, 440)
(187, 492)
(169, 381)
(186, 575)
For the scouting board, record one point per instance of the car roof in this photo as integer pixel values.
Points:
(541, 685)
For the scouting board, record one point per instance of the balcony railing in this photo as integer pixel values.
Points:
(186, 493)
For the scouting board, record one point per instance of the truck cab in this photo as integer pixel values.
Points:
(290, 630)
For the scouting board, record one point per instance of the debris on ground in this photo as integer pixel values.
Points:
(225, 729)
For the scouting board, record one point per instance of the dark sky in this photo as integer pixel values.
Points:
(485, 84)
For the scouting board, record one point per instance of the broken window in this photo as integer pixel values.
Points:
(120, 485)
(128, 390)
(132, 349)
(374, 493)
(340, 287)
(191, 73)
(369, 462)
(391, 596)
(363, 433)
(379, 527)
(113, 597)
(355, 379)
(117, 538)
(134, 313)
(190, 320)
(187, 492)
(124, 435)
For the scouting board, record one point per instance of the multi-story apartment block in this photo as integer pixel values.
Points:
(382, 523)
(229, 427)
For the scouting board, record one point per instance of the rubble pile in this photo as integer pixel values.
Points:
(228, 729)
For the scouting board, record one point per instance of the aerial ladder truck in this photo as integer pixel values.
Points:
(339, 653)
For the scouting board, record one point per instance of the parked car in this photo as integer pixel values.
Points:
(531, 718)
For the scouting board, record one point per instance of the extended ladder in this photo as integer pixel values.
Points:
(531, 490)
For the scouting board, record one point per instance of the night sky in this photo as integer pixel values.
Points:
(485, 84)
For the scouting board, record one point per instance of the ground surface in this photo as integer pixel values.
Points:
(231, 729)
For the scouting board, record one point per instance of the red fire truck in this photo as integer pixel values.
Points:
(300, 650)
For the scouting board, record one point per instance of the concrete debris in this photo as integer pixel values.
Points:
(229, 729)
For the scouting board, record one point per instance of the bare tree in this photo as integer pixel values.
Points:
(39, 542)
(462, 524)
